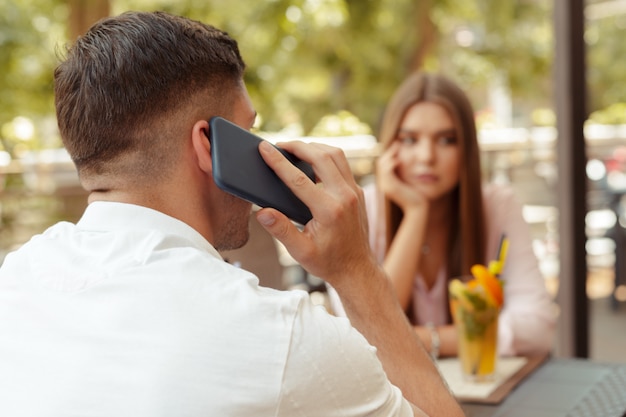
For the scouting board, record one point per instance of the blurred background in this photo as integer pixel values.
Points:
(323, 70)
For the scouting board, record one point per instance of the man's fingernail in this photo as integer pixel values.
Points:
(266, 146)
(266, 219)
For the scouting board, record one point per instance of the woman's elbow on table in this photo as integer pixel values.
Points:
(534, 339)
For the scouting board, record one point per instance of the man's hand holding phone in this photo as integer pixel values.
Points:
(335, 240)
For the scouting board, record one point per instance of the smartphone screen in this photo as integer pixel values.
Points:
(239, 169)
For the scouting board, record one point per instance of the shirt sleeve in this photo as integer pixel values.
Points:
(331, 370)
(527, 320)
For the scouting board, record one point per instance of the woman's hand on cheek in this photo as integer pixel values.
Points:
(390, 183)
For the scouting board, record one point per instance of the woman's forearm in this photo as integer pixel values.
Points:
(403, 257)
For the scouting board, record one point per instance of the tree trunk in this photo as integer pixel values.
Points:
(426, 34)
(83, 14)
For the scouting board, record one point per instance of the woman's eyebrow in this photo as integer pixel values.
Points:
(445, 131)
(449, 131)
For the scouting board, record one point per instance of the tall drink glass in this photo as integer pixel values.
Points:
(476, 321)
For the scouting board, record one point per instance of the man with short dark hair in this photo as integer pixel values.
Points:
(132, 311)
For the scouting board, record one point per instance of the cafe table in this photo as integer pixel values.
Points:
(544, 387)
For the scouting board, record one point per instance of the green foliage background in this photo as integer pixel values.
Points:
(30, 33)
(311, 58)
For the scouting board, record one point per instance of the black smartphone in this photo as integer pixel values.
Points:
(239, 169)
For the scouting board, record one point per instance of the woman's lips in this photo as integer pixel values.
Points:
(428, 178)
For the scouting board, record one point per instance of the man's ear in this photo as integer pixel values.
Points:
(202, 145)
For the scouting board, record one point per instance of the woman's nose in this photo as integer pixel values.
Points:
(425, 150)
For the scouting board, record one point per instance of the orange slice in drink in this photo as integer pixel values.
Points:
(490, 283)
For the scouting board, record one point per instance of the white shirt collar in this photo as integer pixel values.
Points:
(110, 216)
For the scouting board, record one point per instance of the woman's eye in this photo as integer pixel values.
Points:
(406, 140)
(447, 140)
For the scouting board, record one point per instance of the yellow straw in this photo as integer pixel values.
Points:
(502, 252)
(504, 248)
(496, 266)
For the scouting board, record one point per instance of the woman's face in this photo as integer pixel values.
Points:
(429, 157)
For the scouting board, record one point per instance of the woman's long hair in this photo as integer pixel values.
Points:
(466, 242)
